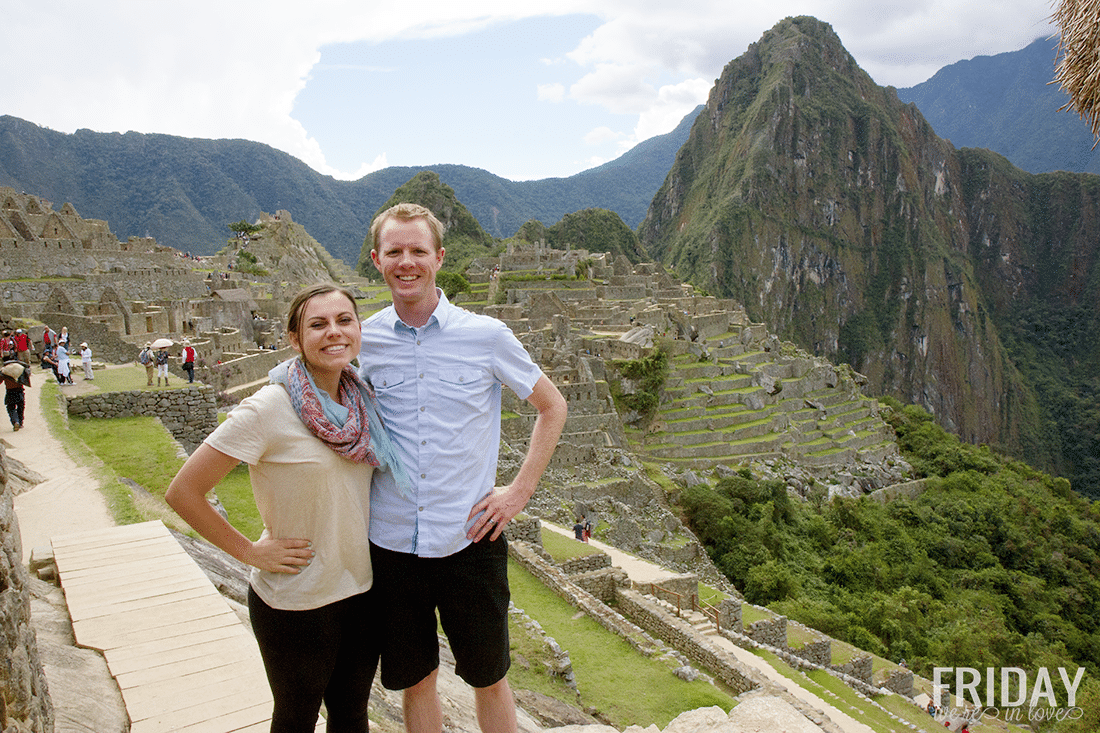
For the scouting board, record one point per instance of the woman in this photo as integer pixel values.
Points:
(63, 370)
(312, 441)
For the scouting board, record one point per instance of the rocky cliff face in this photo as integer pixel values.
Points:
(835, 214)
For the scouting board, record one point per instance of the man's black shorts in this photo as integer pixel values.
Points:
(470, 591)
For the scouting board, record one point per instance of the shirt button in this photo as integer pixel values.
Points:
(423, 442)
(423, 475)
(420, 509)
(421, 375)
(422, 409)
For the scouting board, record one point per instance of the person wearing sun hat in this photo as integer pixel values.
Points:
(86, 360)
(145, 358)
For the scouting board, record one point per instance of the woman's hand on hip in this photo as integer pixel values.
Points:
(280, 555)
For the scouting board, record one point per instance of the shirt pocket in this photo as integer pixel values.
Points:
(463, 378)
(386, 379)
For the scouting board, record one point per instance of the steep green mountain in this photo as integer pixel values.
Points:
(1007, 104)
(597, 230)
(183, 191)
(836, 215)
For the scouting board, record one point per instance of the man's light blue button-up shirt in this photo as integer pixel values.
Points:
(439, 390)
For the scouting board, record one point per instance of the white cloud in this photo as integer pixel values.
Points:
(551, 92)
(234, 70)
(602, 135)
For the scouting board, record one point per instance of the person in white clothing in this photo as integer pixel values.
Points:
(312, 441)
(86, 360)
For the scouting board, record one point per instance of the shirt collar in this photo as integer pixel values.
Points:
(441, 314)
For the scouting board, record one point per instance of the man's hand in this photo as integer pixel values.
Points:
(496, 510)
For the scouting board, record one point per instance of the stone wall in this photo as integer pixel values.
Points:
(105, 343)
(770, 631)
(25, 704)
(604, 584)
(683, 637)
(553, 578)
(188, 414)
(525, 529)
(588, 563)
(860, 668)
(900, 681)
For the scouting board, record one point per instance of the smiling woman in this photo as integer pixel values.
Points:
(312, 441)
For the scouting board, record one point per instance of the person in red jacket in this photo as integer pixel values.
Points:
(189, 361)
(22, 346)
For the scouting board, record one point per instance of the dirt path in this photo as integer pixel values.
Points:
(69, 500)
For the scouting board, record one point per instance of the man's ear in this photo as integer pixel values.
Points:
(374, 259)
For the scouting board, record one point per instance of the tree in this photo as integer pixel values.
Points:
(243, 230)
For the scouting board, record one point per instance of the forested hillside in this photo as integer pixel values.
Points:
(995, 564)
(1006, 103)
(184, 191)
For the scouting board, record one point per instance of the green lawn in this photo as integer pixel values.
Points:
(626, 687)
(140, 449)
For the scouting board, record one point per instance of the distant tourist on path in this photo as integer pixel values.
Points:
(17, 376)
(311, 440)
(578, 530)
(439, 370)
(189, 361)
(23, 346)
(86, 360)
(64, 374)
(145, 358)
(161, 358)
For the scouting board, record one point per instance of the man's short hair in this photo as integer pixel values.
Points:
(407, 212)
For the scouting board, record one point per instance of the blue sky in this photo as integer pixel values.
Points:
(525, 89)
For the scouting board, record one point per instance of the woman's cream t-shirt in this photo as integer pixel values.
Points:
(303, 490)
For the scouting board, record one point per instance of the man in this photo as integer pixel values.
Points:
(16, 377)
(23, 346)
(438, 372)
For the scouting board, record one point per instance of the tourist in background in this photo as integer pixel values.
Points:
(311, 440)
(145, 358)
(64, 372)
(63, 337)
(23, 347)
(188, 357)
(17, 376)
(49, 360)
(161, 359)
(438, 371)
(86, 360)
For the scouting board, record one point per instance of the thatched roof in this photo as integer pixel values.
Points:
(1078, 70)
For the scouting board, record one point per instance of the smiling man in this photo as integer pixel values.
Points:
(438, 371)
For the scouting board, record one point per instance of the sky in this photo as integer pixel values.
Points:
(525, 89)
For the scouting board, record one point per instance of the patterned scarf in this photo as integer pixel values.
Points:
(352, 440)
(352, 427)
